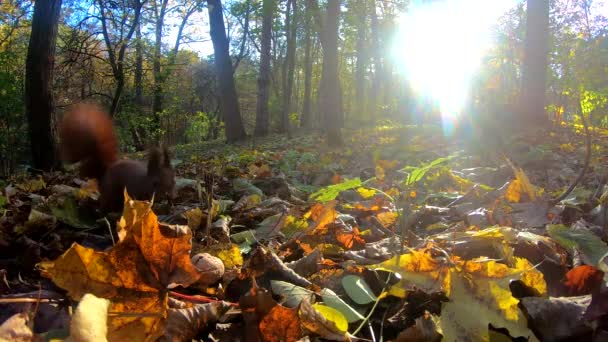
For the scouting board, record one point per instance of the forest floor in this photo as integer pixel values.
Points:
(402, 234)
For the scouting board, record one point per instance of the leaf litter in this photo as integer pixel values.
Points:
(406, 239)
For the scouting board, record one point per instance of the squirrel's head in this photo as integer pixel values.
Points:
(162, 173)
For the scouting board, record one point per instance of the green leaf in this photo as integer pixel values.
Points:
(291, 293)
(418, 173)
(592, 248)
(331, 299)
(243, 185)
(245, 240)
(2, 201)
(66, 210)
(331, 192)
(358, 290)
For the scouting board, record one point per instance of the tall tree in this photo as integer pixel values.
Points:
(376, 48)
(306, 120)
(39, 101)
(136, 133)
(262, 118)
(117, 32)
(330, 98)
(360, 67)
(534, 68)
(139, 67)
(160, 10)
(289, 65)
(229, 102)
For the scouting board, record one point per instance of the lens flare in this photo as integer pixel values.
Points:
(439, 46)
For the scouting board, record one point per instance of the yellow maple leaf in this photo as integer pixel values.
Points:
(135, 274)
(521, 188)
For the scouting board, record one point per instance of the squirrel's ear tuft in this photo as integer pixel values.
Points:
(154, 162)
(166, 157)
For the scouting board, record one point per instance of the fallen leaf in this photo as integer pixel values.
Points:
(387, 218)
(584, 279)
(292, 294)
(135, 274)
(314, 321)
(228, 253)
(358, 290)
(281, 324)
(332, 299)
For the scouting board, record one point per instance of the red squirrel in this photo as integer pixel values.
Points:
(87, 136)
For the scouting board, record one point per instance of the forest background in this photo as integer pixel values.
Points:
(184, 72)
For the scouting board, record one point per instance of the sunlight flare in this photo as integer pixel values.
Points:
(439, 47)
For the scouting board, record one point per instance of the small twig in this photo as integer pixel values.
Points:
(110, 230)
(27, 300)
(199, 299)
(373, 307)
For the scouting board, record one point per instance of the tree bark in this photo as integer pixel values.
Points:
(361, 59)
(229, 102)
(377, 76)
(306, 120)
(262, 119)
(116, 52)
(534, 68)
(157, 102)
(39, 101)
(139, 66)
(330, 92)
(290, 31)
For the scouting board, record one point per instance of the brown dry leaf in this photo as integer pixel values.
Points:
(255, 305)
(348, 239)
(260, 171)
(371, 207)
(419, 268)
(423, 330)
(185, 323)
(583, 279)
(135, 274)
(281, 324)
(387, 218)
(323, 214)
(88, 189)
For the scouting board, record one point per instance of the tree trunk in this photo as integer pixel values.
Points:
(229, 102)
(331, 97)
(157, 102)
(262, 119)
(290, 31)
(306, 120)
(375, 45)
(136, 134)
(39, 101)
(534, 68)
(361, 60)
(116, 50)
